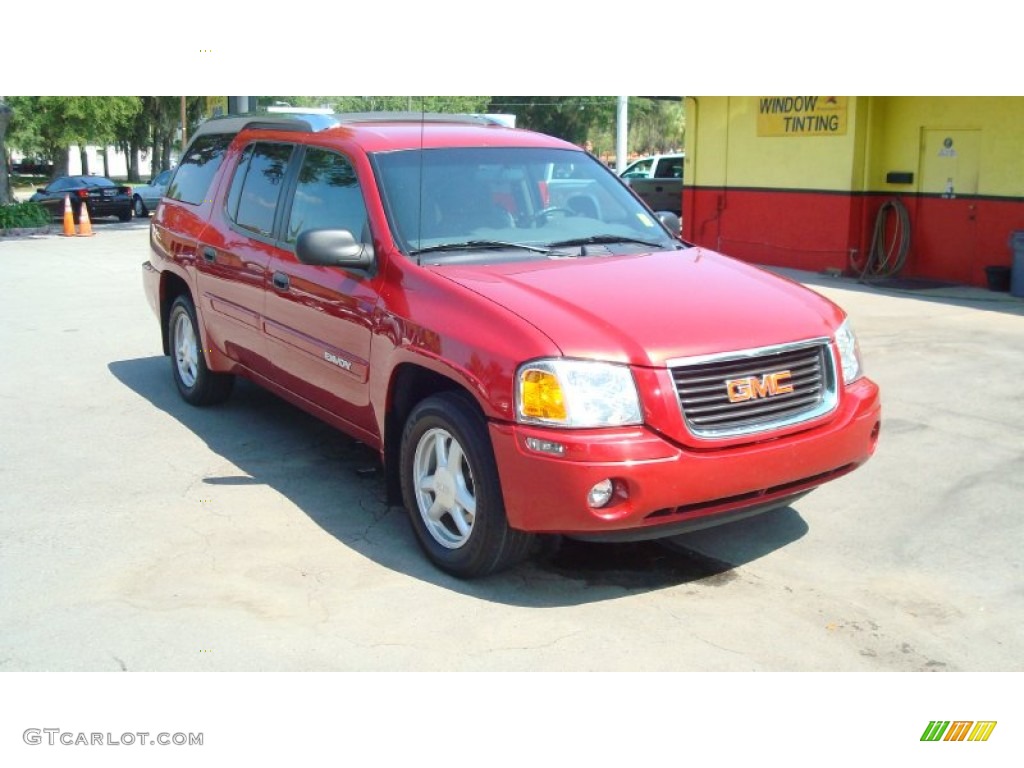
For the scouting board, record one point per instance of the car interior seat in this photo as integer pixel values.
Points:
(584, 205)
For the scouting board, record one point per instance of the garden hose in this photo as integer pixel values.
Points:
(886, 259)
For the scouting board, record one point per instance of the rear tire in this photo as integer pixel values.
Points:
(196, 383)
(451, 489)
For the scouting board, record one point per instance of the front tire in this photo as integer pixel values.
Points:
(140, 208)
(451, 489)
(196, 383)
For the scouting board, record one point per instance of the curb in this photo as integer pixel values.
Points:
(28, 231)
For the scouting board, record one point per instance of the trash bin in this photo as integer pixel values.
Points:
(1017, 275)
(998, 278)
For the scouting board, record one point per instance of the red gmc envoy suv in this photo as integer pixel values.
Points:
(530, 349)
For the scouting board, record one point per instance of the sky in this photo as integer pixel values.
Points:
(454, 47)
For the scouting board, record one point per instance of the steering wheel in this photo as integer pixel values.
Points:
(544, 213)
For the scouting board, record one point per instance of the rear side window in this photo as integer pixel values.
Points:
(195, 173)
(327, 196)
(670, 168)
(252, 201)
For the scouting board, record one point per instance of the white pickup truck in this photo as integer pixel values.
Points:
(658, 180)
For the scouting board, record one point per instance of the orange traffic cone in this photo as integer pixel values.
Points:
(85, 226)
(69, 218)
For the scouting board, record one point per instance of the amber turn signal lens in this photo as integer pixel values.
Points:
(541, 396)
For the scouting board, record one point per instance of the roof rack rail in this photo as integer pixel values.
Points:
(415, 117)
(313, 122)
(304, 122)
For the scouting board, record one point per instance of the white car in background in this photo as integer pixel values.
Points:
(146, 197)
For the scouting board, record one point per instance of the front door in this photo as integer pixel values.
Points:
(318, 319)
(945, 235)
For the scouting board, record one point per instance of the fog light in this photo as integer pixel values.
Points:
(600, 494)
(545, 446)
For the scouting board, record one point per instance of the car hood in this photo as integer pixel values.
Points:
(649, 308)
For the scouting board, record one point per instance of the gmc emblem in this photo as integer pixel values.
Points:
(753, 387)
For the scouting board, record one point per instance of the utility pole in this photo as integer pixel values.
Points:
(184, 127)
(621, 133)
(240, 105)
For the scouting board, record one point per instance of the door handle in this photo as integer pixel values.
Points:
(281, 281)
(209, 254)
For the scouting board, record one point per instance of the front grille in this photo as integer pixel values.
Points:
(770, 388)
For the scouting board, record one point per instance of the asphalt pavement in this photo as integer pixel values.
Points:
(138, 533)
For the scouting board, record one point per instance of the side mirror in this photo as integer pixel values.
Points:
(333, 248)
(671, 222)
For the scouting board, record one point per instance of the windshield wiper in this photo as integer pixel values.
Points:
(603, 240)
(469, 245)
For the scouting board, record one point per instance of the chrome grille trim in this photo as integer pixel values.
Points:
(701, 393)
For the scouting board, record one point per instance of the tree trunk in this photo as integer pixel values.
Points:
(84, 155)
(168, 143)
(131, 153)
(61, 162)
(156, 165)
(5, 179)
(106, 162)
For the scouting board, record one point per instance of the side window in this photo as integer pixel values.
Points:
(192, 179)
(327, 196)
(638, 169)
(255, 190)
(670, 168)
(236, 182)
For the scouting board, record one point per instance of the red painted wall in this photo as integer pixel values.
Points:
(951, 239)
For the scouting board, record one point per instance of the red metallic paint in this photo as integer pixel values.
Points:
(649, 308)
(475, 325)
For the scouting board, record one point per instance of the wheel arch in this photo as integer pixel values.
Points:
(171, 287)
(410, 384)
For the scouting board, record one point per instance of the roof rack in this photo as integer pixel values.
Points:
(313, 122)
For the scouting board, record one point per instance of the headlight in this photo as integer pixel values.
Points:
(576, 393)
(849, 353)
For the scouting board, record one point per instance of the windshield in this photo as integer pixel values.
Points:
(526, 199)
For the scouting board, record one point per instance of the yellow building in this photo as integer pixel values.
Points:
(799, 181)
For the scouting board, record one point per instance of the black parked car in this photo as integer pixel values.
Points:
(32, 167)
(102, 196)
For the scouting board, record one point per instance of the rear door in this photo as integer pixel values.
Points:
(229, 261)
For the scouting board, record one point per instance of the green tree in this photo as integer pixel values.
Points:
(155, 130)
(447, 104)
(49, 125)
(655, 126)
(572, 118)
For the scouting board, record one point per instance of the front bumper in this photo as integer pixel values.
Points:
(663, 488)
